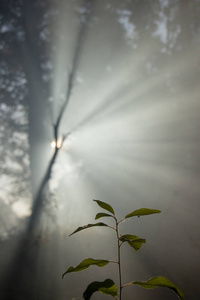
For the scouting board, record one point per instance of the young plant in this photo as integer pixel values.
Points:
(108, 287)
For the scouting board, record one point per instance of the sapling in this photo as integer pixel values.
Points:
(108, 287)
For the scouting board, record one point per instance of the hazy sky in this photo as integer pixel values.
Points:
(133, 119)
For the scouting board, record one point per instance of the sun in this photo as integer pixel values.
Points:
(56, 144)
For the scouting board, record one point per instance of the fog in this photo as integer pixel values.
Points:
(122, 78)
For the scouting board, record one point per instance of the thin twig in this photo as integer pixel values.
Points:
(121, 220)
(113, 261)
(119, 261)
(112, 227)
(127, 284)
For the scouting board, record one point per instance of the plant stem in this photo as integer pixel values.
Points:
(127, 284)
(119, 261)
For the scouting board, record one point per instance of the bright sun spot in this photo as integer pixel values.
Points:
(59, 143)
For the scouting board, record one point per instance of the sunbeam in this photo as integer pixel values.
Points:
(110, 98)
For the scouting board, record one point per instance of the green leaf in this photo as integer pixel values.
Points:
(105, 206)
(160, 281)
(133, 240)
(107, 287)
(101, 215)
(88, 226)
(142, 212)
(86, 263)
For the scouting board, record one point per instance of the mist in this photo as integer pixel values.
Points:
(99, 100)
